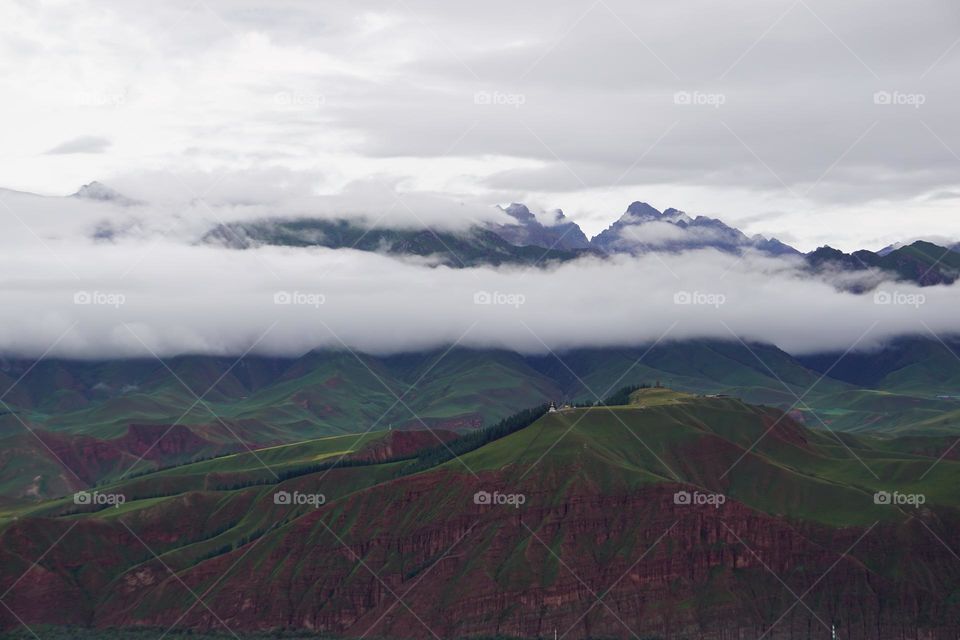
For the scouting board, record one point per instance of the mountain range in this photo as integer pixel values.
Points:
(641, 229)
(521, 237)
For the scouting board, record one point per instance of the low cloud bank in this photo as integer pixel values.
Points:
(96, 300)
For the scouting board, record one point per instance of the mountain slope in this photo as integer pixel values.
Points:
(911, 365)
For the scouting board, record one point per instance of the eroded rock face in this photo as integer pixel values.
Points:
(461, 568)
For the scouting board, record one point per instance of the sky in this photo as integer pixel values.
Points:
(815, 122)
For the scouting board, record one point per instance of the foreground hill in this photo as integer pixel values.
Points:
(671, 516)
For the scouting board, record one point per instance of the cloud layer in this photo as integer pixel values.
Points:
(146, 290)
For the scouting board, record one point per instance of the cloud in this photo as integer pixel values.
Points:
(96, 280)
(134, 298)
(182, 207)
(655, 234)
(83, 144)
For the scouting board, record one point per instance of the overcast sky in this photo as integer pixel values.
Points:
(816, 122)
(575, 105)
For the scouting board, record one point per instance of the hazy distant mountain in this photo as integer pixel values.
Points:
(471, 247)
(530, 240)
(527, 230)
(526, 240)
(643, 228)
(923, 263)
(99, 191)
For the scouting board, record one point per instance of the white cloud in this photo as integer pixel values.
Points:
(202, 299)
(82, 144)
(655, 234)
